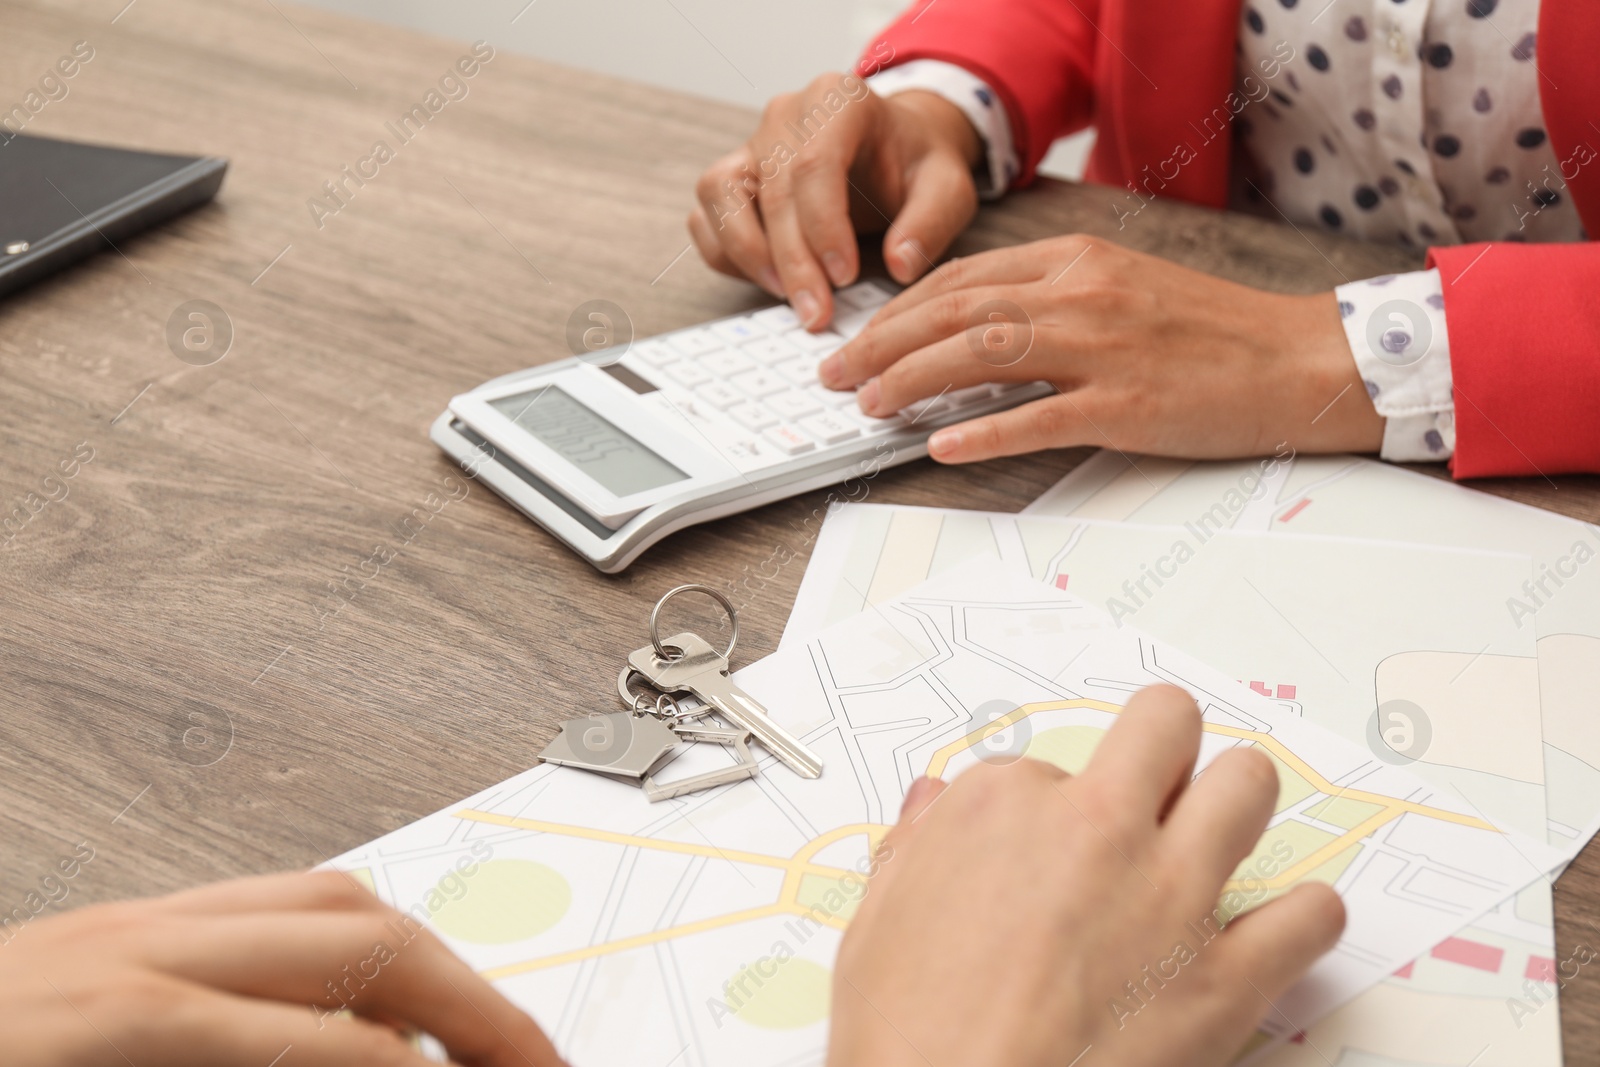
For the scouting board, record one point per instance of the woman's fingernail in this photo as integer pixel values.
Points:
(830, 371)
(768, 279)
(807, 307)
(868, 397)
(838, 270)
(906, 258)
(945, 442)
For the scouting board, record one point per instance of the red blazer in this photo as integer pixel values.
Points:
(1524, 320)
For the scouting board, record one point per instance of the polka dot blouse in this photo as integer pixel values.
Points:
(1413, 122)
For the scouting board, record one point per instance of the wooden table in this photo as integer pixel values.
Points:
(174, 693)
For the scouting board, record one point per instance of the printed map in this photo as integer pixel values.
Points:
(1485, 995)
(715, 918)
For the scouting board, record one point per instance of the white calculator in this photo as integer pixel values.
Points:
(613, 450)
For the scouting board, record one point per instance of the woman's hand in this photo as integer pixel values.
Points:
(250, 973)
(1012, 913)
(1147, 356)
(827, 162)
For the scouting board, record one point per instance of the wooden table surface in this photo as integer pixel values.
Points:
(175, 693)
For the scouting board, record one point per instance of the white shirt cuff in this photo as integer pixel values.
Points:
(1396, 328)
(975, 99)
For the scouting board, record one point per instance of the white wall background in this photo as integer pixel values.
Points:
(739, 51)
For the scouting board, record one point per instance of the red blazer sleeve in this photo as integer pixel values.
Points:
(1524, 328)
(1038, 55)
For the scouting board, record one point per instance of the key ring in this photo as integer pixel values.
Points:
(634, 702)
(640, 704)
(727, 605)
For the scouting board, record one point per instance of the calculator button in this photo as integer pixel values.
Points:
(830, 428)
(654, 353)
(678, 401)
(770, 350)
(833, 398)
(743, 452)
(816, 343)
(685, 416)
(961, 397)
(868, 423)
(688, 372)
(777, 318)
(849, 323)
(793, 405)
(922, 408)
(790, 441)
(758, 383)
(737, 331)
(726, 362)
(720, 395)
(800, 371)
(695, 342)
(863, 295)
(663, 402)
(752, 416)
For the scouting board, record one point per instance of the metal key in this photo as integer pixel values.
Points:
(703, 671)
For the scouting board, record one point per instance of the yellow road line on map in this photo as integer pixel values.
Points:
(687, 848)
(799, 865)
(1349, 839)
(637, 941)
(941, 758)
(795, 867)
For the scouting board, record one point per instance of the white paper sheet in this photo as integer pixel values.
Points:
(1486, 994)
(703, 931)
(1349, 496)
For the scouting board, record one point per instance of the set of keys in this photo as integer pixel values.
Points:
(632, 744)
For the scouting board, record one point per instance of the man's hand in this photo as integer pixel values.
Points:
(1148, 357)
(826, 163)
(1012, 913)
(246, 974)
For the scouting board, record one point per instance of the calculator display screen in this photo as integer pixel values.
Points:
(592, 444)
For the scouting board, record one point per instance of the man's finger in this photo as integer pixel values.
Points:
(289, 891)
(199, 1027)
(1051, 422)
(1146, 758)
(940, 201)
(1274, 946)
(1219, 819)
(380, 965)
(919, 798)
